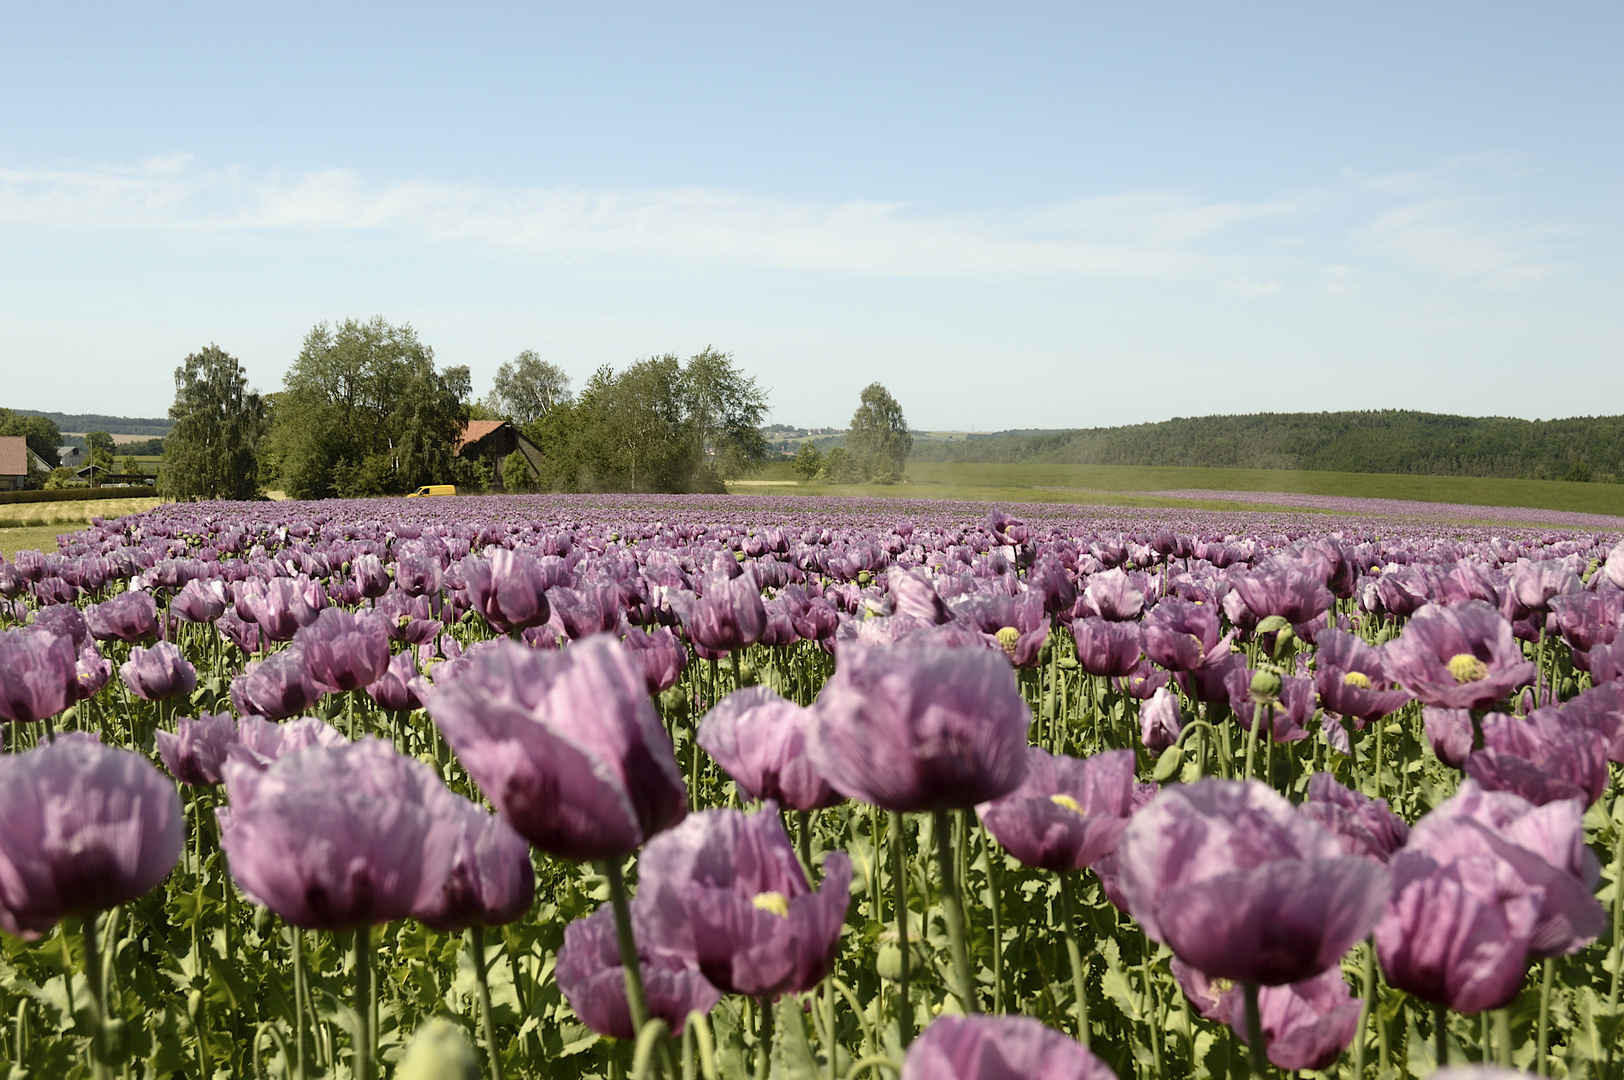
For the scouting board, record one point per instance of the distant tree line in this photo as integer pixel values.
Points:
(113, 425)
(1388, 441)
(873, 450)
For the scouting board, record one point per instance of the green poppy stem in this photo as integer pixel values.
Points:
(953, 914)
(1440, 1035)
(1254, 1031)
(764, 1040)
(636, 1002)
(476, 950)
(365, 1051)
(102, 1070)
(1542, 1066)
(1079, 974)
(301, 995)
(899, 892)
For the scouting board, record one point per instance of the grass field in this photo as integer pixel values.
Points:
(1111, 483)
(37, 525)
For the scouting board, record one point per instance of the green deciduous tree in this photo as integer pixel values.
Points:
(212, 452)
(41, 434)
(808, 460)
(878, 438)
(527, 387)
(364, 411)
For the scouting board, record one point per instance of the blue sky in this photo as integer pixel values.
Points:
(1014, 215)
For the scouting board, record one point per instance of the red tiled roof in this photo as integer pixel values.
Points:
(13, 455)
(476, 430)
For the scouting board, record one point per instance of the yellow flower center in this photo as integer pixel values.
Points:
(1356, 678)
(1467, 668)
(775, 902)
(1007, 637)
(1067, 801)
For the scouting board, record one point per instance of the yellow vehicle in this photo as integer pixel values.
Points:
(434, 489)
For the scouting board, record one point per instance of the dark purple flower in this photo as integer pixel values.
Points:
(590, 974)
(338, 838)
(509, 589)
(1364, 826)
(196, 752)
(260, 742)
(343, 651)
(1050, 580)
(759, 739)
(490, 881)
(1106, 648)
(129, 616)
(1306, 1025)
(200, 601)
(1350, 679)
(1460, 657)
(914, 728)
(913, 594)
(371, 579)
(399, 688)
(63, 620)
(1018, 623)
(92, 671)
(275, 687)
(1288, 588)
(566, 745)
(38, 674)
(245, 635)
(418, 573)
(1115, 595)
(1242, 886)
(1143, 681)
(1159, 721)
(730, 614)
(158, 673)
(999, 1048)
(87, 827)
(724, 889)
(1067, 813)
(1180, 635)
(1449, 733)
(1541, 757)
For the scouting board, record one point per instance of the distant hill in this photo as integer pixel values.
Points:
(1387, 441)
(113, 425)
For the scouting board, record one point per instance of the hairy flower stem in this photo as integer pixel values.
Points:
(365, 1051)
(636, 1002)
(899, 901)
(1260, 716)
(953, 914)
(764, 1040)
(1366, 1009)
(803, 840)
(1440, 1035)
(102, 1070)
(476, 950)
(1254, 1031)
(996, 908)
(1074, 953)
(1502, 1036)
(1542, 1065)
(300, 996)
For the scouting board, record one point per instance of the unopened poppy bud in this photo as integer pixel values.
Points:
(1265, 687)
(1273, 624)
(438, 1051)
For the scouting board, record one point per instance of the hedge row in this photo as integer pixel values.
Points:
(77, 494)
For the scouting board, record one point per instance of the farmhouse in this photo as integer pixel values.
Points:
(15, 459)
(494, 440)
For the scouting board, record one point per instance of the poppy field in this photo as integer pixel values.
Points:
(700, 787)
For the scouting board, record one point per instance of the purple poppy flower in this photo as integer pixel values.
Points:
(1288, 588)
(407, 618)
(999, 1048)
(1007, 530)
(261, 743)
(343, 651)
(730, 614)
(1242, 886)
(913, 594)
(1606, 663)
(129, 616)
(1364, 826)
(594, 608)
(280, 606)
(159, 673)
(1449, 733)
(1159, 721)
(200, 601)
(661, 656)
(1180, 635)
(1050, 580)
(1306, 1025)
(370, 578)
(38, 674)
(1143, 681)
(1106, 648)
(1588, 619)
(1543, 846)
(590, 974)
(1067, 813)
(1018, 623)
(566, 745)
(276, 687)
(1612, 568)
(1115, 595)
(1601, 709)
(759, 739)
(196, 752)
(1461, 657)
(509, 589)
(1351, 681)
(724, 888)
(1293, 707)
(338, 838)
(1540, 757)
(418, 573)
(63, 620)
(245, 635)
(916, 728)
(490, 881)
(1536, 584)
(92, 671)
(87, 827)
(399, 688)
